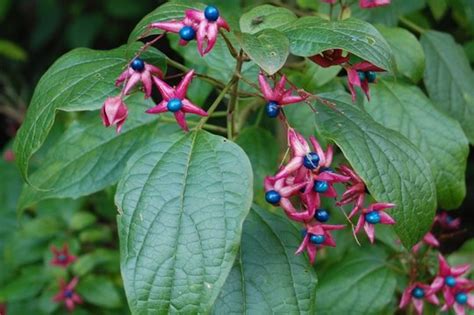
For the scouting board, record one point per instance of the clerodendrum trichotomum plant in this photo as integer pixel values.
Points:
(273, 138)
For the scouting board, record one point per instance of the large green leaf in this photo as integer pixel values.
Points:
(182, 202)
(80, 80)
(262, 150)
(99, 291)
(449, 78)
(391, 166)
(267, 277)
(265, 17)
(90, 157)
(360, 283)
(268, 49)
(439, 138)
(407, 50)
(312, 35)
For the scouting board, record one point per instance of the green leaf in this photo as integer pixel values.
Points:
(312, 35)
(90, 157)
(391, 166)
(311, 77)
(25, 286)
(82, 219)
(267, 277)
(80, 80)
(262, 150)
(438, 8)
(388, 14)
(360, 283)
(10, 186)
(166, 12)
(449, 78)
(408, 52)
(99, 291)
(12, 51)
(439, 138)
(100, 258)
(265, 17)
(182, 202)
(269, 49)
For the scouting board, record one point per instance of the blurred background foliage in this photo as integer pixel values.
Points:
(33, 34)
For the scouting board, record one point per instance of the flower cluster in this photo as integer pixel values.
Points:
(305, 179)
(359, 73)
(202, 25)
(67, 295)
(456, 290)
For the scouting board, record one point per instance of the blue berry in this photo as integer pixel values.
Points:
(304, 232)
(321, 186)
(449, 219)
(461, 298)
(361, 75)
(174, 105)
(371, 76)
(272, 197)
(187, 33)
(211, 13)
(322, 215)
(138, 64)
(68, 294)
(311, 160)
(450, 281)
(62, 257)
(373, 217)
(317, 239)
(272, 109)
(418, 293)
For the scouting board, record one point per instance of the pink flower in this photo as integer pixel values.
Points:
(374, 214)
(175, 101)
(137, 71)
(330, 58)
(279, 192)
(67, 294)
(186, 29)
(277, 96)
(114, 112)
(361, 74)
(365, 4)
(355, 191)
(462, 299)
(208, 23)
(62, 257)
(8, 155)
(449, 279)
(303, 156)
(447, 222)
(429, 239)
(317, 236)
(416, 293)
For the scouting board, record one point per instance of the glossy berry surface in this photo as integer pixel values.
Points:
(322, 215)
(187, 33)
(321, 186)
(311, 160)
(461, 298)
(418, 293)
(317, 239)
(138, 64)
(362, 76)
(450, 281)
(68, 294)
(174, 105)
(272, 109)
(372, 217)
(371, 76)
(272, 197)
(211, 13)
